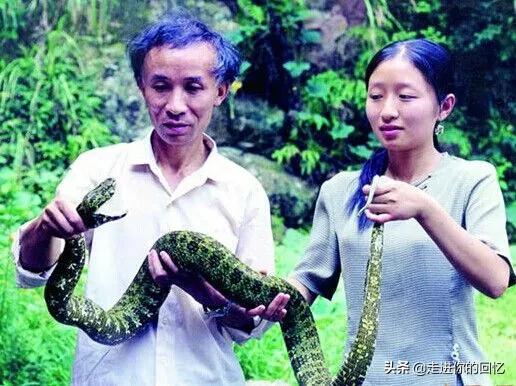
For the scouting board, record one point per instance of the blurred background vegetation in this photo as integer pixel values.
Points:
(295, 117)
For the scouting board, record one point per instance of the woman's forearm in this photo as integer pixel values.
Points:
(485, 270)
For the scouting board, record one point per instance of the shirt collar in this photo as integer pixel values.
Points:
(213, 168)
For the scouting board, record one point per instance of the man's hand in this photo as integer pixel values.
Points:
(166, 273)
(39, 242)
(60, 219)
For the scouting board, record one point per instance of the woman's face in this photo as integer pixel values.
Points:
(401, 106)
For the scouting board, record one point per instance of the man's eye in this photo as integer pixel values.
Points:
(406, 96)
(193, 87)
(375, 96)
(160, 87)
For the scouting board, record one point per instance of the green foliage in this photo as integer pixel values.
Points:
(326, 130)
(320, 131)
(23, 22)
(48, 109)
(296, 68)
(35, 349)
(271, 36)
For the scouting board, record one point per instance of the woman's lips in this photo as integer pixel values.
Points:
(390, 131)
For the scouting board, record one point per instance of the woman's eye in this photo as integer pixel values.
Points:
(375, 96)
(406, 96)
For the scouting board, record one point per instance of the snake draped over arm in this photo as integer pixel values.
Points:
(201, 254)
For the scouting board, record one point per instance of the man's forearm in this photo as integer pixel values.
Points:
(38, 250)
(237, 318)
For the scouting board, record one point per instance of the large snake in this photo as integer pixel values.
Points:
(201, 254)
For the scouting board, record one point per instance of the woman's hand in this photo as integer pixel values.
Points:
(394, 200)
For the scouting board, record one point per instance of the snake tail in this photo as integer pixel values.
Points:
(357, 361)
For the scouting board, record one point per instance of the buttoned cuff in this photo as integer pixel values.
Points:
(24, 277)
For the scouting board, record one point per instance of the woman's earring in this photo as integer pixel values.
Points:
(439, 129)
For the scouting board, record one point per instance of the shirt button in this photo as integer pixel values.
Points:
(455, 352)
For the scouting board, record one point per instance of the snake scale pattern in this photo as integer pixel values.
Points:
(196, 252)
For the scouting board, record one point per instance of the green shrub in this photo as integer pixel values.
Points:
(49, 113)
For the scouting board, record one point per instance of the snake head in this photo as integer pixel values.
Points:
(93, 200)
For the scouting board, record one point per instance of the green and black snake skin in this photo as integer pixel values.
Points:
(195, 252)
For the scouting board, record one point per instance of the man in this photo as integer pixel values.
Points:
(173, 179)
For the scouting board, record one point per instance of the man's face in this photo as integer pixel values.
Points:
(180, 91)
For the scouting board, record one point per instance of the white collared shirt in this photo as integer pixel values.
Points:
(220, 199)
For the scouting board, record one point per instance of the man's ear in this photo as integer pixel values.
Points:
(222, 93)
(447, 106)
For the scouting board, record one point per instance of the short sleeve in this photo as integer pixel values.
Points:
(485, 215)
(240, 337)
(256, 249)
(319, 269)
(77, 181)
(255, 242)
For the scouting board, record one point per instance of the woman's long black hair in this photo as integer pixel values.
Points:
(436, 65)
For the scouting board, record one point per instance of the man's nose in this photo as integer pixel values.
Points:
(176, 104)
(389, 109)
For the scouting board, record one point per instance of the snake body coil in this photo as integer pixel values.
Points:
(196, 252)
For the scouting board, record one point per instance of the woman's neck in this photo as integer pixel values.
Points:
(412, 166)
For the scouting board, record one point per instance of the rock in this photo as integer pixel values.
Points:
(219, 124)
(353, 10)
(214, 13)
(335, 47)
(124, 106)
(290, 197)
(255, 124)
(279, 229)
(331, 26)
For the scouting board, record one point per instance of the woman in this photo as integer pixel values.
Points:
(444, 232)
